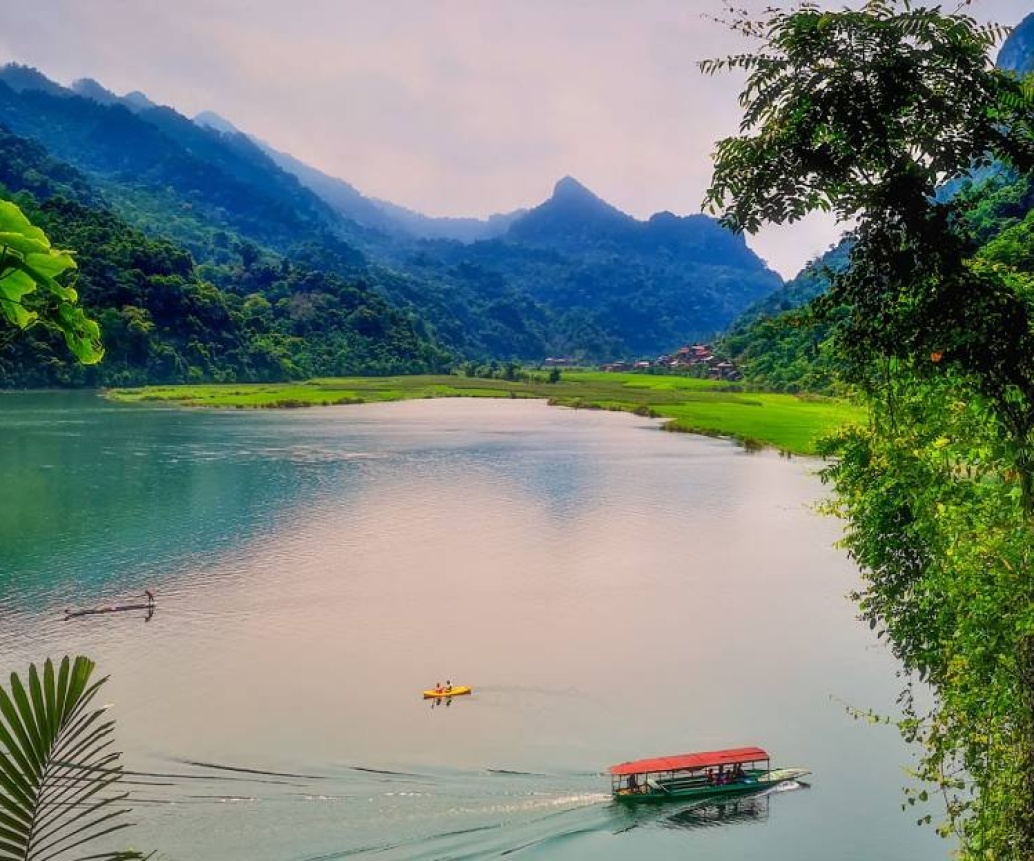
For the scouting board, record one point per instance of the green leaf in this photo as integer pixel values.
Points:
(30, 290)
(15, 285)
(57, 779)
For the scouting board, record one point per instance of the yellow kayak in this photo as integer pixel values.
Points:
(454, 691)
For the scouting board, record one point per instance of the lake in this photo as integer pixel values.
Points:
(610, 591)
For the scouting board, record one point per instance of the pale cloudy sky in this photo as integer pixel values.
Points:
(449, 107)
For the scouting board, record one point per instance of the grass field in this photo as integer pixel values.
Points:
(786, 422)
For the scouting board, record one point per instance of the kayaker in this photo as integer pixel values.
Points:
(448, 686)
(437, 687)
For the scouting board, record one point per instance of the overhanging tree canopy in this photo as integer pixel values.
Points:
(866, 113)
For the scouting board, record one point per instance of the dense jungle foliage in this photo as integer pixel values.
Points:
(778, 342)
(868, 113)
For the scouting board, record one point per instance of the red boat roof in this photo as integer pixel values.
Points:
(690, 760)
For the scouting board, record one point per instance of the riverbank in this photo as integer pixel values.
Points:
(789, 423)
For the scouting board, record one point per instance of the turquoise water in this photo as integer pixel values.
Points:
(610, 591)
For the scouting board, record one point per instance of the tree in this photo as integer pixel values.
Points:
(57, 774)
(866, 113)
(31, 291)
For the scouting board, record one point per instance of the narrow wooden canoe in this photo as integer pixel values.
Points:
(454, 691)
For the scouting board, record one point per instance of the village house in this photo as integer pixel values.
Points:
(698, 357)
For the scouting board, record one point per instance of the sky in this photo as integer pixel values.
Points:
(447, 107)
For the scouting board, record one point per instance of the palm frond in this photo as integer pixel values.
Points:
(58, 778)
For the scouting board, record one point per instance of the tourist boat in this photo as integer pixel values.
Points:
(698, 775)
(454, 691)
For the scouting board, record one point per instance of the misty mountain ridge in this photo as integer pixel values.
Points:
(571, 210)
(212, 120)
(383, 215)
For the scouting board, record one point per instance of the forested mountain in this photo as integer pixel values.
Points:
(573, 276)
(647, 285)
(253, 319)
(158, 168)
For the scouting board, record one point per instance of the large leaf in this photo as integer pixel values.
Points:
(30, 289)
(15, 285)
(58, 777)
(16, 231)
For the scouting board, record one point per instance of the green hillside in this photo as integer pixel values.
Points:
(163, 319)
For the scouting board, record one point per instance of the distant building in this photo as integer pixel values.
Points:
(688, 356)
(698, 358)
(723, 371)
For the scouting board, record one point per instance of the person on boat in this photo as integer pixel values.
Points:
(737, 772)
(438, 687)
(448, 686)
(633, 783)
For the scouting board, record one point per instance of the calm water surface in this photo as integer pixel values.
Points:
(611, 592)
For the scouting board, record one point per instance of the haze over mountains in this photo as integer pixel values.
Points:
(572, 276)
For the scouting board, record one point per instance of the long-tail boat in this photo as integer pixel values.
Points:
(733, 771)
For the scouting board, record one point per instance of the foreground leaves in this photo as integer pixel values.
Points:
(866, 113)
(58, 777)
(30, 289)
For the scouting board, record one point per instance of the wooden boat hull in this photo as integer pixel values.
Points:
(454, 691)
(660, 791)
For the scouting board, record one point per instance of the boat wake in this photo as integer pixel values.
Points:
(347, 811)
(789, 786)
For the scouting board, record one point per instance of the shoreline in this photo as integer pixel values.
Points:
(755, 420)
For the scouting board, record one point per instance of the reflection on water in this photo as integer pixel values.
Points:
(706, 812)
(316, 568)
(747, 810)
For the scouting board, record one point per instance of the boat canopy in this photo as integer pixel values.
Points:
(685, 761)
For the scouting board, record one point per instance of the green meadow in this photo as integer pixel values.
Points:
(787, 422)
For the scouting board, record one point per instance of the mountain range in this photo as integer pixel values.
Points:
(571, 276)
